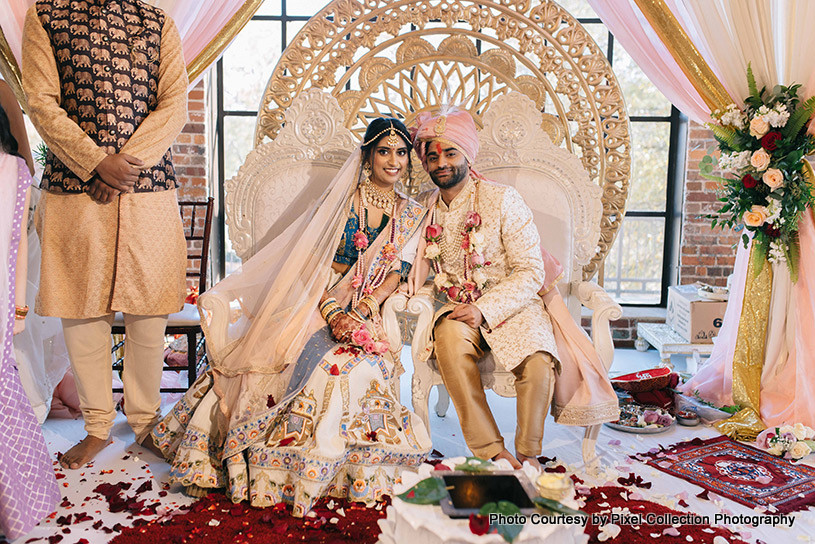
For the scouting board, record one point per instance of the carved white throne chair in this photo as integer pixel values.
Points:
(399, 58)
(566, 206)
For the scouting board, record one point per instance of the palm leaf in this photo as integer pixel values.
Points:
(724, 135)
(799, 117)
(751, 83)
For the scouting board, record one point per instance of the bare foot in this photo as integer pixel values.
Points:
(150, 446)
(84, 452)
(531, 460)
(509, 457)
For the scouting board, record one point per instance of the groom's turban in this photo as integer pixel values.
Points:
(454, 127)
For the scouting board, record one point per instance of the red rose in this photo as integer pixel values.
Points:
(772, 231)
(452, 292)
(473, 220)
(433, 231)
(749, 181)
(769, 139)
(479, 525)
(469, 285)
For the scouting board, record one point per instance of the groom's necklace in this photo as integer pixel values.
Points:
(451, 239)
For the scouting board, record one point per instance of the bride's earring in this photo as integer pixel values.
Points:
(366, 173)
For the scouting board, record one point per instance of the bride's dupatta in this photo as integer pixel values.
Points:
(274, 300)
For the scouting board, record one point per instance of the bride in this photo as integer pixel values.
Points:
(301, 401)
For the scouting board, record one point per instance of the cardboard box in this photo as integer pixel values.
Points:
(695, 319)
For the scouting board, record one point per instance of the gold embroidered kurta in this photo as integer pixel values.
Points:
(515, 321)
(129, 255)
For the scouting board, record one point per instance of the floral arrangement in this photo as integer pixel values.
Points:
(368, 342)
(790, 441)
(634, 415)
(762, 148)
(472, 242)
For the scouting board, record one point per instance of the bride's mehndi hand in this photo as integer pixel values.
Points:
(343, 327)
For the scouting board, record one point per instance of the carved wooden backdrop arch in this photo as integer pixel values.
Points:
(399, 58)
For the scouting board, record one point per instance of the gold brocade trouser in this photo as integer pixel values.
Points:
(89, 344)
(458, 348)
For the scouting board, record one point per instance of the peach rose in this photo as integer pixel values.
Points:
(756, 216)
(760, 160)
(759, 127)
(773, 178)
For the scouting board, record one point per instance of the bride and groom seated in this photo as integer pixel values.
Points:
(303, 400)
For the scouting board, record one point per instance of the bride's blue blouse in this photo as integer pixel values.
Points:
(347, 253)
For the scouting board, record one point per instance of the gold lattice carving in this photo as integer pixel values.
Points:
(400, 58)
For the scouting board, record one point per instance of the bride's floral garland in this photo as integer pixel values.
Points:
(472, 243)
(362, 285)
(762, 148)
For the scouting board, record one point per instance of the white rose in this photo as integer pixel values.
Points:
(773, 178)
(432, 251)
(800, 450)
(755, 216)
(440, 279)
(801, 431)
(786, 429)
(760, 160)
(479, 277)
(477, 241)
(759, 127)
(776, 449)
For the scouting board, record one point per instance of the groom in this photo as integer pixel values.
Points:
(485, 250)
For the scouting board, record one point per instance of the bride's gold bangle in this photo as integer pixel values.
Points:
(20, 312)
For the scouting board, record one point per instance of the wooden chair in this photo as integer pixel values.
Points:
(197, 217)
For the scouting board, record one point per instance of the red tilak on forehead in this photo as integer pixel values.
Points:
(438, 148)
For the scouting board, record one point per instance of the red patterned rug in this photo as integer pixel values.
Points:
(739, 472)
(215, 519)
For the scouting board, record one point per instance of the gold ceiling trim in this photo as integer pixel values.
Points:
(400, 57)
(11, 71)
(685, 54)
(216, 46)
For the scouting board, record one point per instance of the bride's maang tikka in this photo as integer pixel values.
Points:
(392, 140)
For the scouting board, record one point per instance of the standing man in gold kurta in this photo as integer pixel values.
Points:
(486, 254)
(107, 90)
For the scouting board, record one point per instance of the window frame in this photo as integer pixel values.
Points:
(677, 148)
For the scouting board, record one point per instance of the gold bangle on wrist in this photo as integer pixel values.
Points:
(371, 303)
(20, 312)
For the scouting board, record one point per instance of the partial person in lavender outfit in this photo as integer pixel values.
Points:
(28, 488)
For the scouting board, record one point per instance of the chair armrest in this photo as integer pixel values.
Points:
(215, 317)
(595, 298)
(421, 305)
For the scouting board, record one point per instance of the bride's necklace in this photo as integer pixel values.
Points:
(382, 199)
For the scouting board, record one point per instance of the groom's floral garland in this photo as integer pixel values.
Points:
(762, 148)
(472, 243)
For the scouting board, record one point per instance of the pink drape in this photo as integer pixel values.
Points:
(630, 27)
(787, 387)
(198, 22)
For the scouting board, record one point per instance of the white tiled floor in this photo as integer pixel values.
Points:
(124, 461)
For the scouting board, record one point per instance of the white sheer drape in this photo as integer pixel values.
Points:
(773, 35)
(198, 22)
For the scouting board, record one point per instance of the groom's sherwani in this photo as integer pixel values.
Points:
(515, 321)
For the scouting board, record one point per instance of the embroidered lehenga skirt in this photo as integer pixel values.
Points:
(344, 434)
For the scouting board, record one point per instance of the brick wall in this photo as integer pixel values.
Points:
(706, 254)
(190, 161)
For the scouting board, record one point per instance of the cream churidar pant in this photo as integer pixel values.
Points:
(458, 348)
(89, 346)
